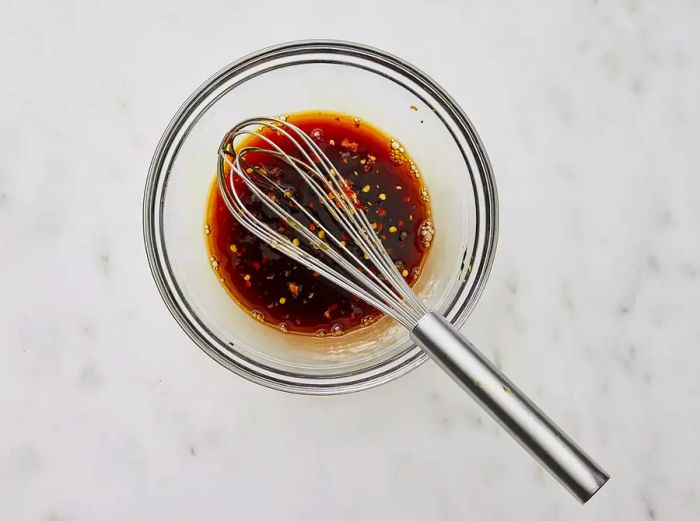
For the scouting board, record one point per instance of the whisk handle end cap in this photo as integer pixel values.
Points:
(567, 462)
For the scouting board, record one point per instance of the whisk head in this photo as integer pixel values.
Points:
(332, 255)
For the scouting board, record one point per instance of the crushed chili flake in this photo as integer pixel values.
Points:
(369, 163)
(294, 289)
(349, 145)
(330, 309)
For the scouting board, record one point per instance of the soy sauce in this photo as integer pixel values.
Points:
(284, 294)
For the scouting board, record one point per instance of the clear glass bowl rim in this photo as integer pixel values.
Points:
(366, 378)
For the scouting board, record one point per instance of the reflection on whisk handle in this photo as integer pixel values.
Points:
(509, 406)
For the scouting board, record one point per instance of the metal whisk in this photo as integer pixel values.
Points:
(383, 286)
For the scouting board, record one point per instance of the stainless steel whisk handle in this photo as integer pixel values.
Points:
(525, 422)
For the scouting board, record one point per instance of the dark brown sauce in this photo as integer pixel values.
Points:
(282, 293)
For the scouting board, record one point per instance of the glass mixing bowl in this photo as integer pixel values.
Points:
(318, 75)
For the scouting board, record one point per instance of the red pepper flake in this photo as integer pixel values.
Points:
(381, 212)
(401, 223)
(315, 273)
(368, 163)
(349, 145)
(331, 308)
(406, 199)
(256, 265)
(352, 195)
(248, 284)
(294, 289)
(312, 226)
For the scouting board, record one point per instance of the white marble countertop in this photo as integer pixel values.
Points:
(591, 116)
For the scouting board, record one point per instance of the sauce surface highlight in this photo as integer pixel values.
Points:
(284, 294)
